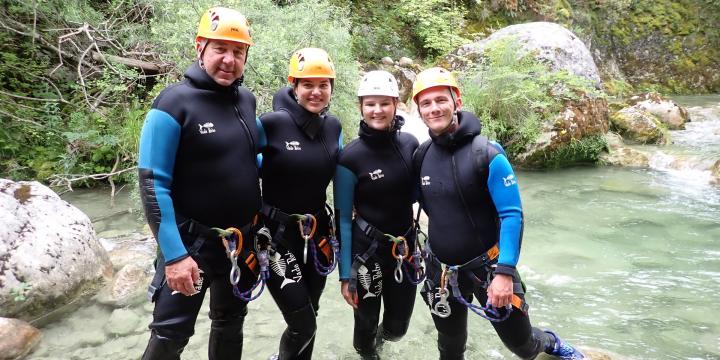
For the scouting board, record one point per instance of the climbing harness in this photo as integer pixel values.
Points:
(449, 286)
(329, 246)
(307, 226)
(232, 239)
(400, 251)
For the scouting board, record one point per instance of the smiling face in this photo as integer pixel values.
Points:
(313, 93)
(224, 61)
(378, 111)
(437, 107)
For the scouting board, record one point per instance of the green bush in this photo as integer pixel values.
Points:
(513, 94)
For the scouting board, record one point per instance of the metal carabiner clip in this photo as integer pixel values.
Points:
(307, 225)
(442, 307)
(235, 271)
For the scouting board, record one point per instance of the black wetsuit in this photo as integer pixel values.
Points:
(198, 169)
(298, 163)
(467, 216)
(375, 177)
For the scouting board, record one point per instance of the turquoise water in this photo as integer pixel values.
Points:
(626, 260)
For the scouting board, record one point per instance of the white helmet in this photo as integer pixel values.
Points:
(378, 82)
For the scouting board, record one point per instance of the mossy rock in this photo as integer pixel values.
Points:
(640, 126)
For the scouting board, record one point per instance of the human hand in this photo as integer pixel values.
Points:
(182, 276)
(350, 297)
(500, 291)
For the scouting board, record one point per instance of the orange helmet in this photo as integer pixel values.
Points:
(221, 23)
(310, 63)
(434, 77)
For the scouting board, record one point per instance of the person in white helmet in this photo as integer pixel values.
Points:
(374, 176)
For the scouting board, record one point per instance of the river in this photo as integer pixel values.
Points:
(626, 260)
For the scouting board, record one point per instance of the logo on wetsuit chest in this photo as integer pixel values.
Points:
(377, 174)
(425, 181)
(292, 145)
(206, 128)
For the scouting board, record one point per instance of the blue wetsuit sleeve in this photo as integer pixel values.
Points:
(505, 194)
(340, 140)
(344, 194)
(262, 140)
(159, 141)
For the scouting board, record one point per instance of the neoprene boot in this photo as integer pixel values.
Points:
(162, 348)
(226, 339)
(563, 350)
(300, 331)
(451, 347)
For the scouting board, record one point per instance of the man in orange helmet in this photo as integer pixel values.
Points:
(198, 170)
(475, 225)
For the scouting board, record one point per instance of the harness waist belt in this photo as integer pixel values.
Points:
(377, 236)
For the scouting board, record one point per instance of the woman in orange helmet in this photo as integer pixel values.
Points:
(298, 162)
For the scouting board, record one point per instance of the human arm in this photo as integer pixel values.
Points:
(159, 141)
(344, 193)
(505, 194)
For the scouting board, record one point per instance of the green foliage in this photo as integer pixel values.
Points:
(513, 94)
(618, 88)
(20, 292)
(277, 33)
(586, 150)
(425, 28)
(435, 24)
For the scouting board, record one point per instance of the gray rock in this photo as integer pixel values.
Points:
(715, 172)
(50, 252)
(638, 125)
(405, 61)
(550, 42)
(667, 111)
(129, 286)
(17, 338)
(387, 60)
(132, 248)
(405, 78)
(122, 322)
(619, 154)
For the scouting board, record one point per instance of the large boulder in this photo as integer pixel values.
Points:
(667, 111)
(17, 338)
(549, 42)
(636, 124)
(619, 154)
(574, 137)
(48, 251)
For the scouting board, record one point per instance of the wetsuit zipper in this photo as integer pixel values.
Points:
(245, 126)
(459, 190)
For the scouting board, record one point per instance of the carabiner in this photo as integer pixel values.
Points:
(235, 271)
(442, 307)
(307, 225)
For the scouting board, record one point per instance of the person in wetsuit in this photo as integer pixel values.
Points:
(197, 169)
(374, 176)
(470, 194)
(298, 162)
